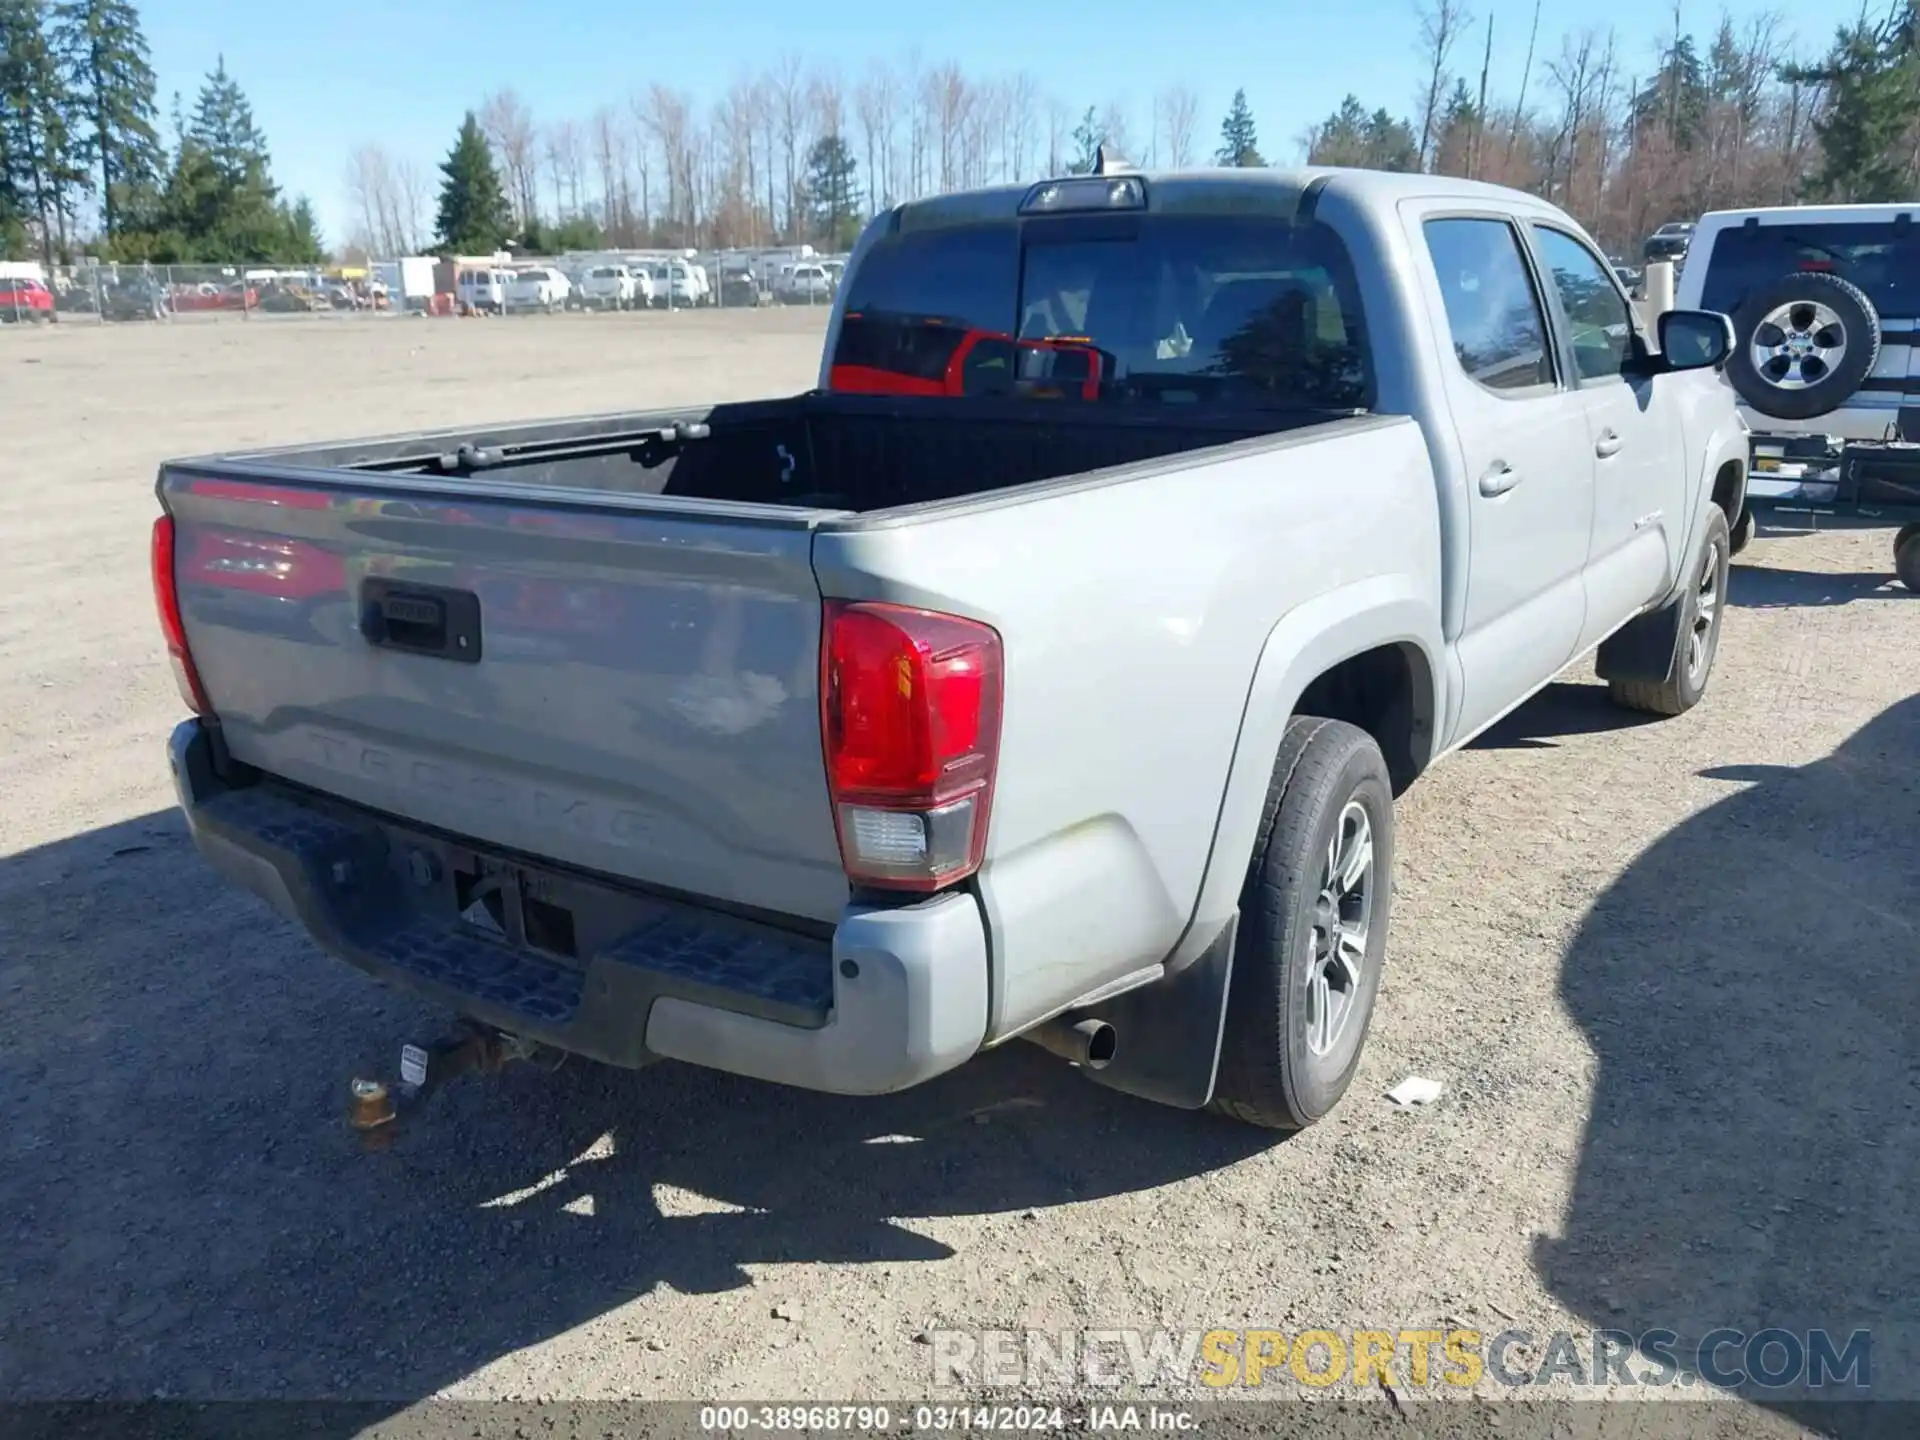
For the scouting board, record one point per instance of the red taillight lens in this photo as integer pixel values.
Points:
(910, 718)
(166, 597)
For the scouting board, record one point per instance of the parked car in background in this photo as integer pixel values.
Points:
(540, 288)
(23, 298)
(482, 289)
(613, 287)
(135, 296)
(806, 284)
(780, 761)
(740, 290)
(1825, 303)
(674, 286)
(1630, 276)
(1669, 242)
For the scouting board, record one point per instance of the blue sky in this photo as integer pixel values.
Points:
(325, 78)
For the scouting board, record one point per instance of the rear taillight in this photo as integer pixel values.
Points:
(166, 596)
(910, 718)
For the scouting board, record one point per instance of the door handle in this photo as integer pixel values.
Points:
(1607, 446)
(1499, 479)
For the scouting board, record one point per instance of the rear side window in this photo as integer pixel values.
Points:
(1749, 258)
(1601, 324)
(1493, 314)
(1241, 312)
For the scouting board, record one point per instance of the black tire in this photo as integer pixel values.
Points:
(1687, 680)
(1798, 294)
(1744, 529)
(1270, 1074)
(1906, 557)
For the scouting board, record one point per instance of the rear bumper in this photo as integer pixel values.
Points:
(896, 997)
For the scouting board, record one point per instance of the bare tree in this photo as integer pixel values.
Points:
(1059, 129)
(982, 135)
(508, 125)
(828, 94)
(609, 159)
(1440, 28)
(1526, 74)
(790, 110)
(948, 98)
(1179, 112)
(1115, 133)
(1480, 108)
(872, 101)
(641, 146)
(669, 120)
(411, 192)
(370, 186)
(566, 164)
(1023, 109)
(766, 111)
(913, 95)
(740, 121)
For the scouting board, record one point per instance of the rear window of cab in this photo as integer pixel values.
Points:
(1241, 312)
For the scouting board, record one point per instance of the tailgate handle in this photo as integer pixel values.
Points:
(421, 619)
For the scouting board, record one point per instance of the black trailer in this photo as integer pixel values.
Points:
(1821, 482)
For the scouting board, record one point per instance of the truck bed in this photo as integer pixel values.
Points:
(812, 451)
(581, 663)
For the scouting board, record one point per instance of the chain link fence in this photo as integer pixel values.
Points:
(102, 293)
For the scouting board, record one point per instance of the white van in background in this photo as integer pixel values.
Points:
(483, 289)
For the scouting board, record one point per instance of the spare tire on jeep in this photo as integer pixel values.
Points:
(1803, 345)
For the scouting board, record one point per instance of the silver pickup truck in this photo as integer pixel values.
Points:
(1048, 671)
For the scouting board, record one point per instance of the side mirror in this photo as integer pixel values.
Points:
(1694, 339)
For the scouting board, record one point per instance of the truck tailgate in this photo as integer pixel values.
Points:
(634, 692)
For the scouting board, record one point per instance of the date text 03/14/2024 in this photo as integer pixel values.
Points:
(935, 1419)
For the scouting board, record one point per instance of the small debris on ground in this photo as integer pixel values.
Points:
(1415, 1090)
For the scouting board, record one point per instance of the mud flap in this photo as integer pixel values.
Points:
(1169, 1032)
(1644, 649)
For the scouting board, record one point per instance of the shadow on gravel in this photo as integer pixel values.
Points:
(1762, 587)
(1751, 990)
(1564, 708)
(183, 1209)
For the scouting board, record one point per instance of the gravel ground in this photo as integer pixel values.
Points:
(1665, 969)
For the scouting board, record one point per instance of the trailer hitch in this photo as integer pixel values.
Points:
(376, 1108)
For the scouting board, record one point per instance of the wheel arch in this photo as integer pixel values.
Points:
(1372, 649)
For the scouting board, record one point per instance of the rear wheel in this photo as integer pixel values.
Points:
(1744, 529)
(1697, 637)
(1906, 557)
(1313, 929)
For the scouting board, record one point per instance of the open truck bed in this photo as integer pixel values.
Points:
(815, 451)
(563, 681)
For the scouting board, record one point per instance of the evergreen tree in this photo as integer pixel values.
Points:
(36, 137)
(223, 127)
(1675, 99)
(833, 190)
(1350, 136)
(302, 244)
(1238, 143)
(219, 201)
(104, 59)
(473, 218)
(1390, 143)
(1087, 136)
(1873, 86)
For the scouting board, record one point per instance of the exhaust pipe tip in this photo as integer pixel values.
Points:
(1091, 1044)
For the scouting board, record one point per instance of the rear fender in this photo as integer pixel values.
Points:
(1304, 644)
(1646, 647)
